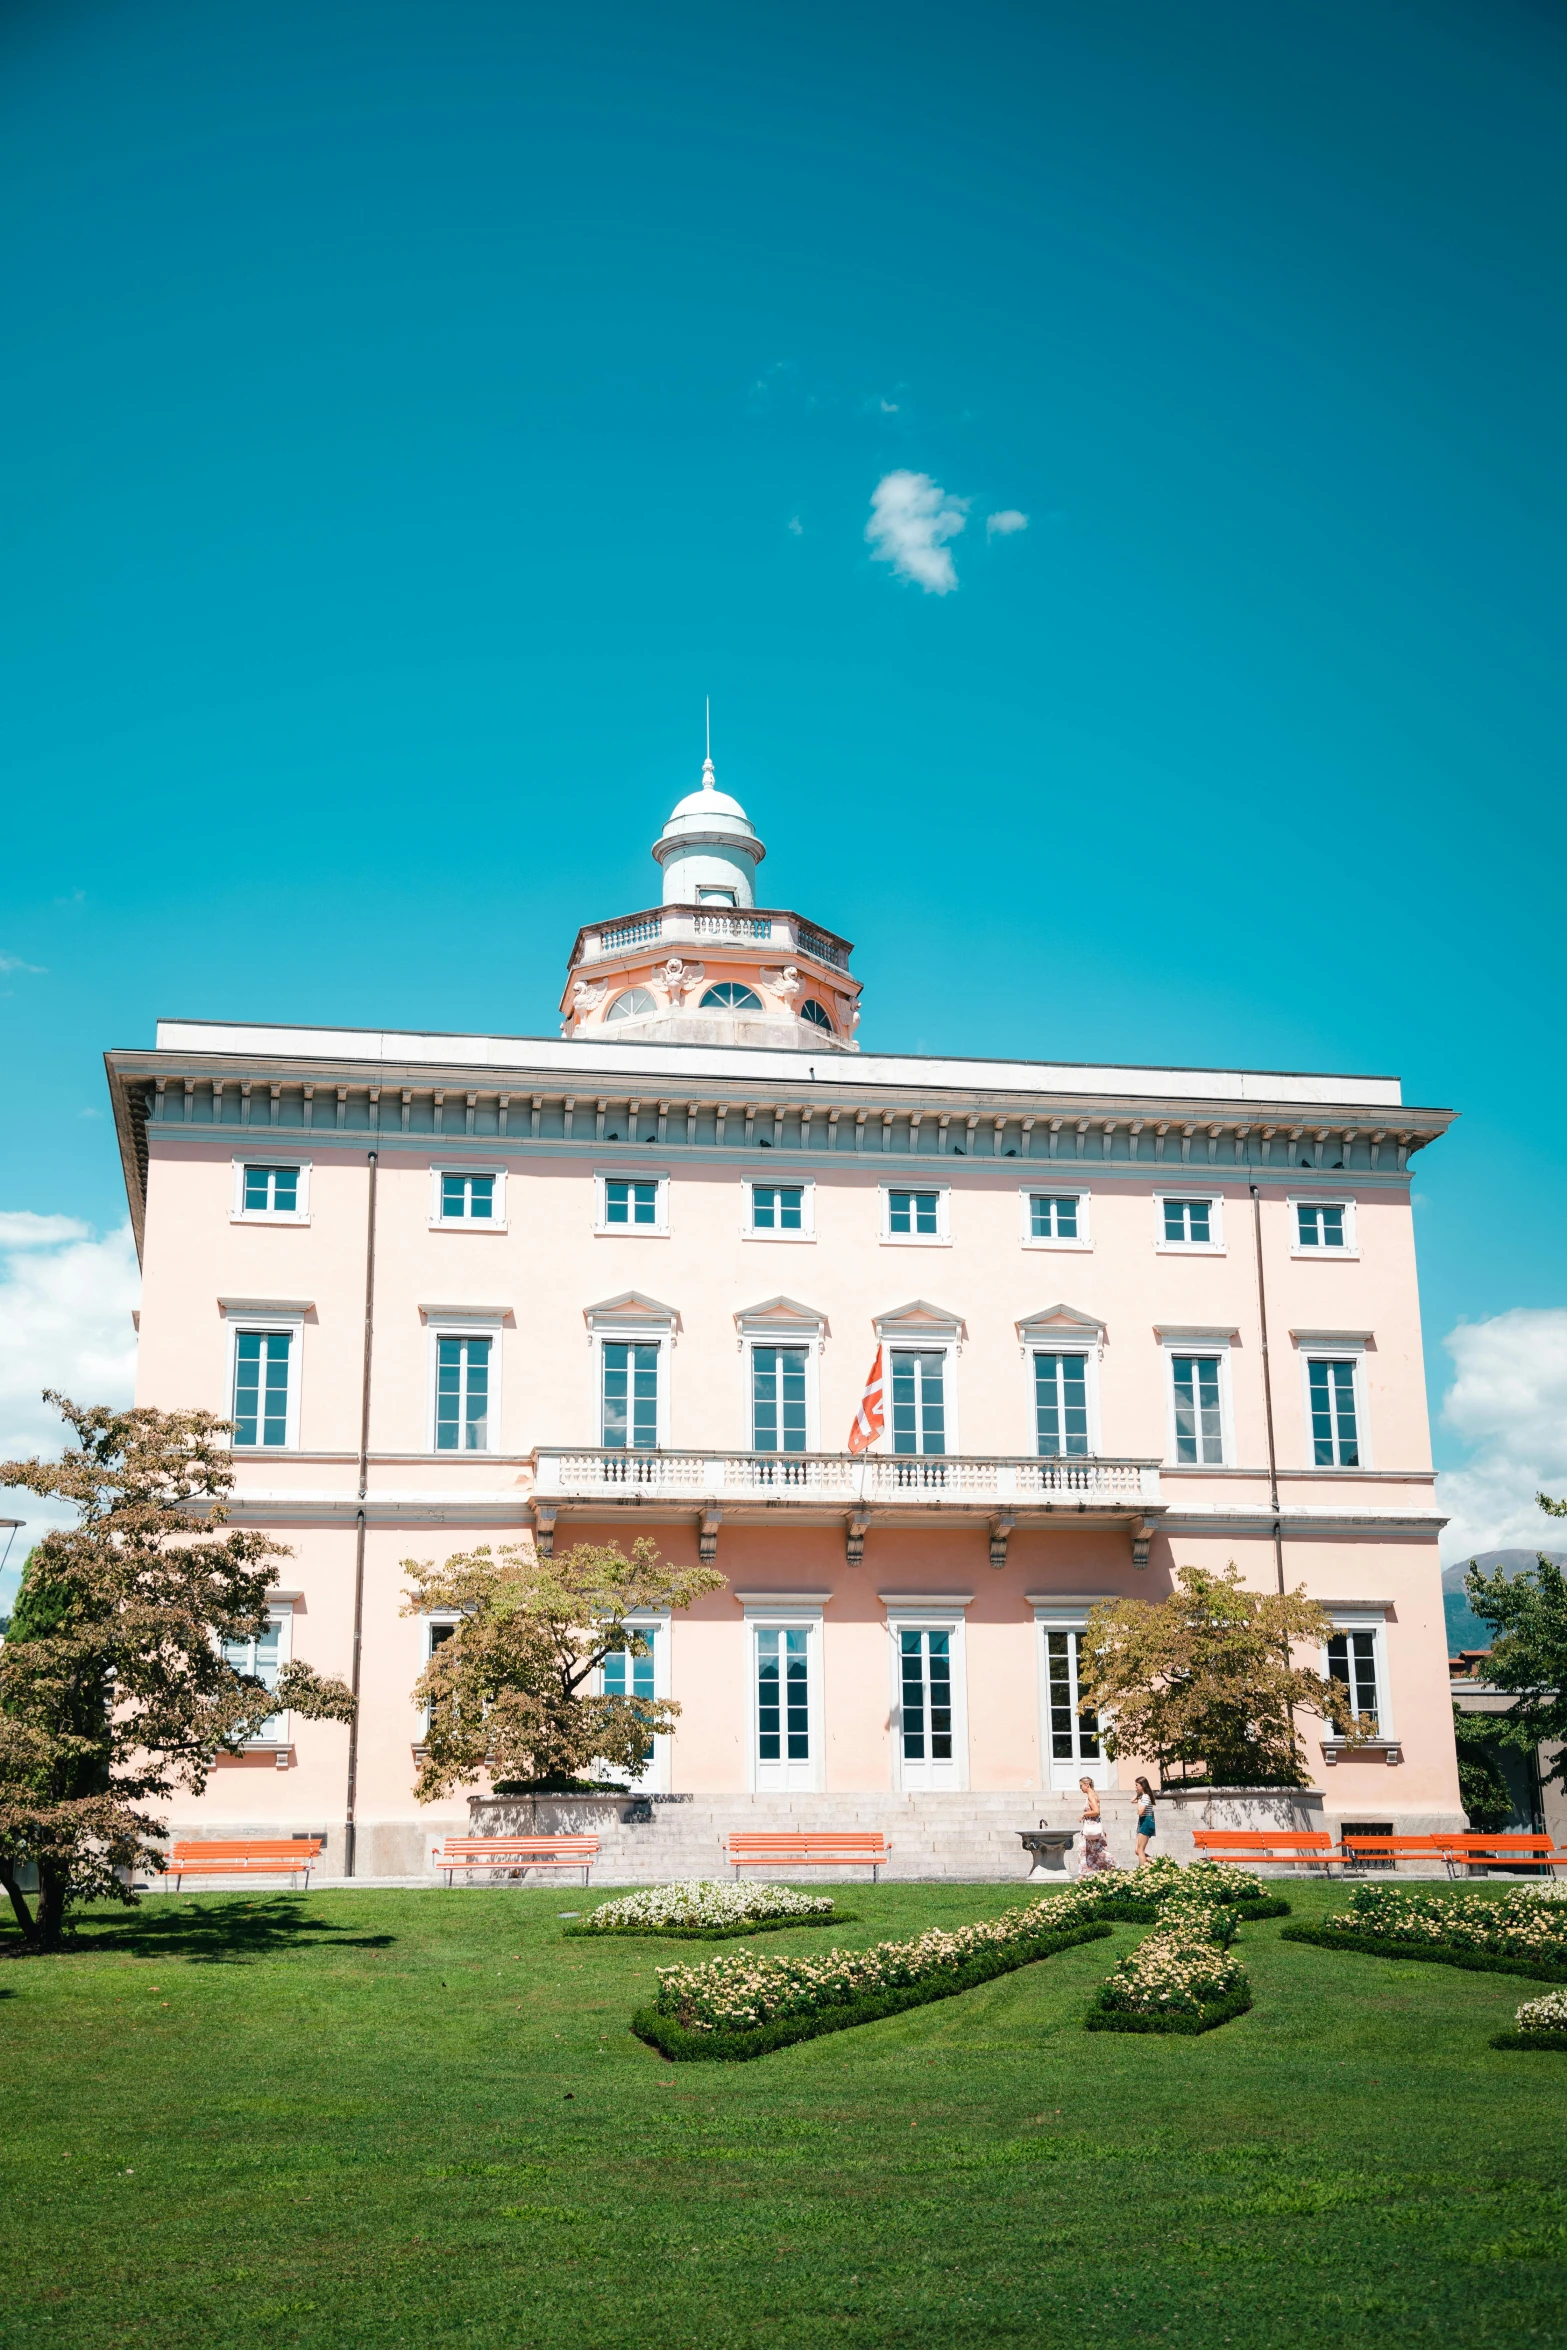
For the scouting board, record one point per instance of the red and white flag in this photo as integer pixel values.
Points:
(871, 1418)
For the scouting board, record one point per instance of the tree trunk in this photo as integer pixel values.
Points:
(19, 1907)
(54, 1885)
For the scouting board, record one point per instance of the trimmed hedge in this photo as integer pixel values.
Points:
(1222, 2011)
(683, 2046)
(1150, 1913)
(842, 1917)
(1538, 2043)
(1479, 1962)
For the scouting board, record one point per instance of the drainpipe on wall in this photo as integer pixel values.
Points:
(1267, 1392)
(359, 1526)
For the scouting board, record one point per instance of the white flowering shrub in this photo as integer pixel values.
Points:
(1164, 1880)
(699, 1902)
(1544, 2015)
(1178, 1969)
(1528, 1921)
(738, 1992)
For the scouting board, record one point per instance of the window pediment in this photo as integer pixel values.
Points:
(631, 1310)
(1061, 1322)
(781, 1317)
(920, 1319)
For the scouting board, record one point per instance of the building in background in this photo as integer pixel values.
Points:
(647, 1276)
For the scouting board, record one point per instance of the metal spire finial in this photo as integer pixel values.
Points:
(708, 780)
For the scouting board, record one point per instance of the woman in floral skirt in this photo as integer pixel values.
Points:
(1096, 1849)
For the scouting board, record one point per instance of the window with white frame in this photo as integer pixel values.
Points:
(641, 1680)
(262, 1658)
(1071, 1735)
(1197, 1405)
(1333, 1407)
(1323, 1228)
(1191, 1221)
(785, 1703)
(462, 1392)
(633, 1203)
(913, 1216)
(779, 1210)
(919, 1400)
(1055, 1219)
(1354, 1656)
(630, 1394)
(467, 1199)
(1061, 1403)
(271, 1192)
(437, 1631)
(778, 1398)
(265, 1383)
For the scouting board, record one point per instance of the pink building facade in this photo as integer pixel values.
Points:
(636, 1279)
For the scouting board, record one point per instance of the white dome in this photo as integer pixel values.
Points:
(709, 850)
(710, 803)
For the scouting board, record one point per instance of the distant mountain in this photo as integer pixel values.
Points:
(1464, 1628)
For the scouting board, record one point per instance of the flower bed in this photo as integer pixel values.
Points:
(743, 2006)
(1523, 1932)
(1182, 1979)
(1142, 1896)
(704, 1911)
(1540, 2024)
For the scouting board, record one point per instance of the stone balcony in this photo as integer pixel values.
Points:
(889, 1488)
(713, 927)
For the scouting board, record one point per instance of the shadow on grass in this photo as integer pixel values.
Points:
(226, 1933)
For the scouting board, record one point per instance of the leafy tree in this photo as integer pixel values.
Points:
(1482, 1789)
(508, 1692)
(1202, 1685)
(1529, 1654)
(114, 1689)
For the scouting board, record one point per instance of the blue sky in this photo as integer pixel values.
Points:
(411, 411)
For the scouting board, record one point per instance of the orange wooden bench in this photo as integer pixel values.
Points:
(1500, 1851)
(1360, 1849)
(1300, 1848)
(807, 1848)
(516, 1854)
(274, 1856)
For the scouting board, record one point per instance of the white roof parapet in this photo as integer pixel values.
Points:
(597, 1063)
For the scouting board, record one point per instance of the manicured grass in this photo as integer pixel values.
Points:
(420, 2119)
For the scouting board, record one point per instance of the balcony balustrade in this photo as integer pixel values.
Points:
(783, 934)
(846, 1480)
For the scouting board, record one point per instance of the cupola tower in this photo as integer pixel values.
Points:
(708, 965)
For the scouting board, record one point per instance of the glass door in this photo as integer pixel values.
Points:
(925, 1723)
(636, 1677)
(1072, 1737)
(783, 1707)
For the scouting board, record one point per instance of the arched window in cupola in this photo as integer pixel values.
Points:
(730, 996)
(634, 1004)
(817, 1014)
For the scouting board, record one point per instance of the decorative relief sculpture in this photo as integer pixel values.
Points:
(785, 982)
(587, 996)
(681, 978)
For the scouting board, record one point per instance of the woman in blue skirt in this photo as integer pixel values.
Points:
(1145, 1821)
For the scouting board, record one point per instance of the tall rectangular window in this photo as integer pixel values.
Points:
(1199, 1424)
(783, 1710)
(1335, 1438)
(261, 1659)
(631, 1398)
(1052, 1218)
(271, 1191)
(633, 1677)
(919, 1411)
(630, 1203)
(1352, 1659)
(1061, 1403)
(777, 1207)
(1074, 1736)
(462, 1395)
(778, 1398)
(467, 1199)
(261, 1363)
(1188, 1223)
(1318, 1226)
(926, 1662)
(913, 1214)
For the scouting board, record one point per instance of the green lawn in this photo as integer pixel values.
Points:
(419, 2118)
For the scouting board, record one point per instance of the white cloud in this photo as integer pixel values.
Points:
(20, 1228)
(795, 527)
(66, 1301)
(912, 518)
(1002, 525)
(15, 963)
(1508, 1403)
